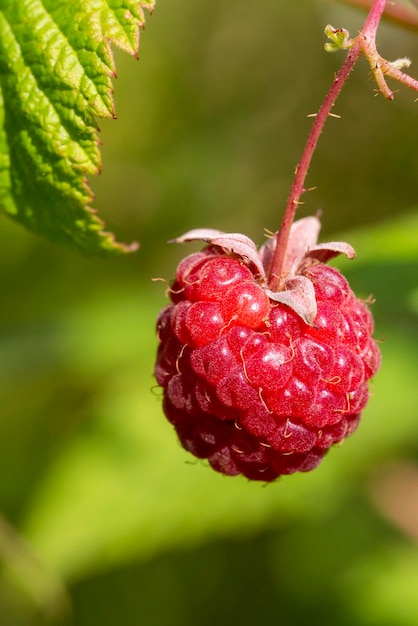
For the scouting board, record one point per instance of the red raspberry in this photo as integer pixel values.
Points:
(263, 383)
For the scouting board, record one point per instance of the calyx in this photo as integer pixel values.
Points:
(302, 250)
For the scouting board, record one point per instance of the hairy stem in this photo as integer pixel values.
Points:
(381, 67)
(276, 279)
(373, 19)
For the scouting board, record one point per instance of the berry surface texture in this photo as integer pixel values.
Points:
(263, 382)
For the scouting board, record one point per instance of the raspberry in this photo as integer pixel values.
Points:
(263, 383)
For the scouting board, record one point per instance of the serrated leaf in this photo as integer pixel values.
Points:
(56, 66)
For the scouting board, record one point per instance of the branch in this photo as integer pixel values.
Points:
(364, 43)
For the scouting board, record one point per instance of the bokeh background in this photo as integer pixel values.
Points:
(105, 519)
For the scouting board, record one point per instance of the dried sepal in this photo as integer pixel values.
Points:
(303, 236)
(324, 252)
(242, 246)
(197, 234)
(302, 250)
(266, 250)
(299, 295)
(232, 243)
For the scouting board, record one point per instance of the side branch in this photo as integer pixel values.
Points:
(364, 43)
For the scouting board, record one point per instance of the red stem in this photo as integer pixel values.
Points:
(298, 189)
(373, 19)
(282, 236)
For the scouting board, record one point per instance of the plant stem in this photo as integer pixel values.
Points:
(276, 280)
(373, 19)
(282, 236)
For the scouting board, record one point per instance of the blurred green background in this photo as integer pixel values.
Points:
(105, 519)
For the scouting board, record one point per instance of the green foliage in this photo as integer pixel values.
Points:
(55, 76)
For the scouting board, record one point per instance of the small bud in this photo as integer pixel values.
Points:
(340, 39)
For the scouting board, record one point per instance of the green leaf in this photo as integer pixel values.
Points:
(56, 66)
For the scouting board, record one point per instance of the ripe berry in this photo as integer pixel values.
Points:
(259, 382)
